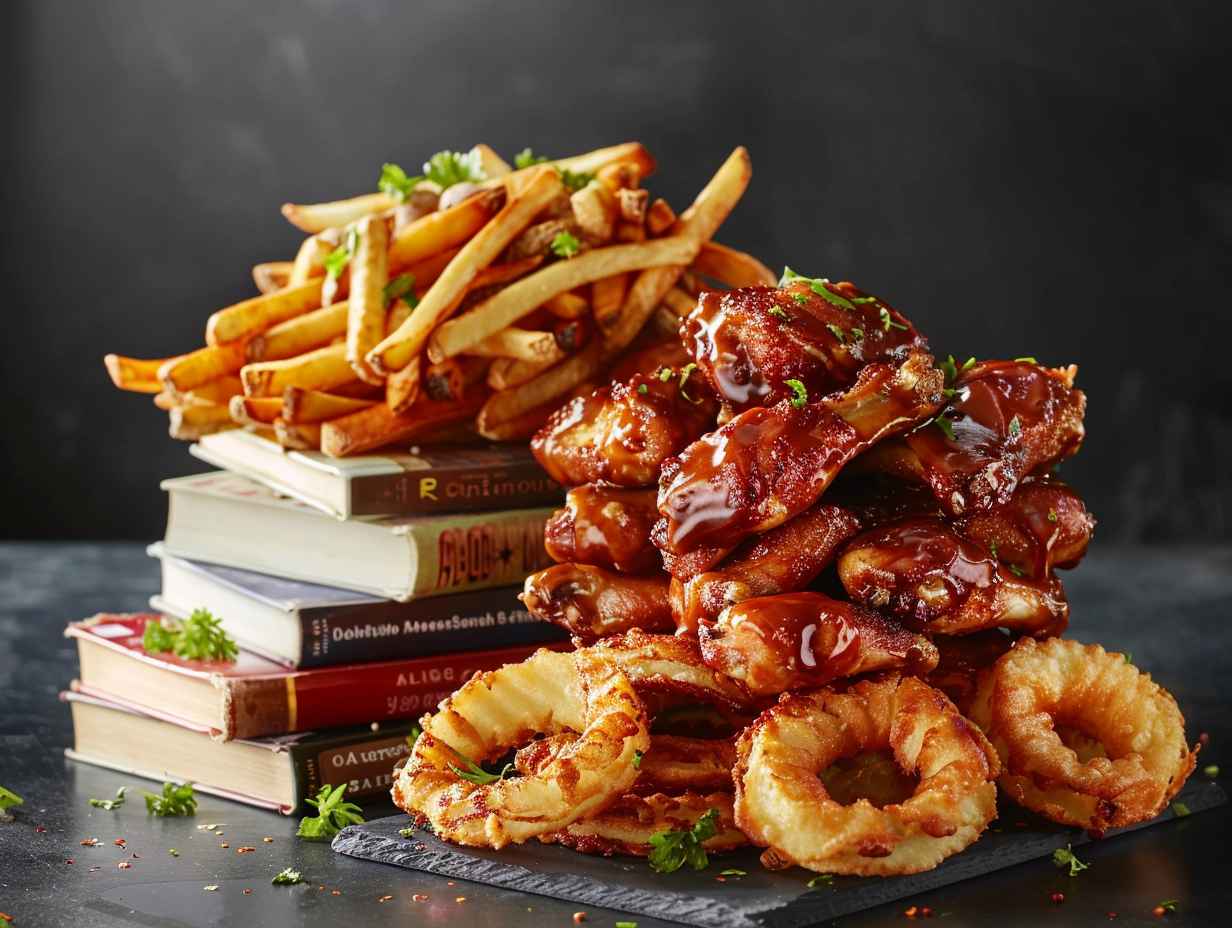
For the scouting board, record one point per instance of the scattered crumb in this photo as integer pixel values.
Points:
(212, 888)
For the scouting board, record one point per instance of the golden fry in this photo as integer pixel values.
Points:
(305, 436)
(567, 306)
(396, 351)
(317, 217)
(366, 311)
(253, 316)
(301, 334)
(310, 259)
(451, 379)
(606, 297)
(733, 268)
(522, 344)
(189, 371)
(494, 166)
(402, 387)
(300, 406)
(379, 426)
(136, 375)
(552, 383)
(519, 428)
(632, 154)
(440, 231)
(596, 211)
(679, 302)
(271, 275)
(659, 217)
(511, 372)
(322, 369)
(188, 423)
(252, 410)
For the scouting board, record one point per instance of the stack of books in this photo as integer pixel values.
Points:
(360, 593)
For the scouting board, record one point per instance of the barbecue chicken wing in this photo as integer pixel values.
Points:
(592, 603)
(605, 526)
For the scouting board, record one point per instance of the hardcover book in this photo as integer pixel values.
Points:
(301, 624)
(271, 773)
(251, 696)
(421, 481)
(223, 518)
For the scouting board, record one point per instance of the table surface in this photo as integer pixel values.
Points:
(1168, 607)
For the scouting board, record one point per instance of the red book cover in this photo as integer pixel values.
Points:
(256, 696)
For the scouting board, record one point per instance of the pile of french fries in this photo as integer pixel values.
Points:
(431, 314)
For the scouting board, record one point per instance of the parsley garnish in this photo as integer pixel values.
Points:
(332, 814)
(477, 775)
(1026, 360)
(444, 169)
(778, 312)
(857, 333)
(8, 799)
(950, 367)
(287, 877)
(413, 735)
(643, 389)
(1065, 857)
(174, 801)
(1168, 905)
(527, 159)
(671, 850)
(800, 298)
(887, 321)
(1129, 657)
(336, 261)
(818, 286)
(1015, 427)
(199, 638)
(626, 925)
(799, 392)
(575, 180)
(664, 374)
(109, 804)
(822, 879)
(395, 183)
(637, 760)
(401, 287)
(863, 299)
(1211, 770)
(1052, 515)
(835, 331)
(734, 872)
(1180, 809)
(684, 379)
(565, 245)
(942, 422)
(1016, 570)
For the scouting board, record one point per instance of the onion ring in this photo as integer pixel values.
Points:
(671, 666)
(549, 692)
(673, 764)
(626, 826)
(782, 804)
(1128, 756)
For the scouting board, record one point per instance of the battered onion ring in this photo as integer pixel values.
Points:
(672, 765)
(782, 804)
(549, 692)
(626, 826)
(667, 665)
(1031, 695)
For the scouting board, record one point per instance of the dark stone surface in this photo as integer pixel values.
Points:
(1169, 607)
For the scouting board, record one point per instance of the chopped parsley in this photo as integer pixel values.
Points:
(1180, 810)
(1015, 427)
(332, 814)
(444, 169)
(1026, 360)
(401, 287)
(1129, 657)
(8, 799)
(395, 183)
(1016, 570)
(1168, 905)
(857, 333)
(413, 735)
(734, 872)
(337, 260)
(950, 368)
(1065, 857)
(818, 286)
(887, 321)
(822, 879)
(287, 877)
(863, 299)
(643, 389)
(565, 245)
(109, 804)
(477, 775)
(575, 180)
(527, 159)
(943, 422)
(199, 638)
(671, 850)
(637, 760)
(665, 374)
(1052, 515)
(799, 392)
(778, 312)
(407, 832)
(175, 800)
(800, 298)
(684, 379)
(836, 332)
(1211, 771)
(626, 925)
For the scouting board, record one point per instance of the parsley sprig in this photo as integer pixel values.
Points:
(199, 638)
(175, 800)
(287, 877)
(8, 799)
(526, 158)
(332, 814)
(401, 287)
(565, 245)
(818, 286)
(1065, 857)
(799, 392)
(109, 804)
(477, 775)
(444, 169)
(671, 850)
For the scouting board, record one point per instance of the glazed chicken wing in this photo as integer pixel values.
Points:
(750, 342)
(774, 644)
(1005, 420)
(592, 603)
(623, 432)
(605, 526)
(929, 577)
(771, 463)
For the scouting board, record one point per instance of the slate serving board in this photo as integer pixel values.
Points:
(779, 899)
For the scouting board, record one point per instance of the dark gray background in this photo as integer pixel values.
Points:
(1040, 178)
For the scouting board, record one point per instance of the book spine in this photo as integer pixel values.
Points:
(355, 695)
(364, 762)
(390, 631)
(518, 485)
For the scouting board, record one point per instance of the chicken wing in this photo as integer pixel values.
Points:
(591, 603)
(623, 432)
(930, 578)
(1004, 420)
(605, 526)
(774, 644)
(771, 463)
(750, 342)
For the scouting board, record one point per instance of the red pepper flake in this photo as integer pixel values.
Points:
(244, 850)
(926, 911)
(124, 865)
(720, 879)
(120, 842)
(1112, 915)
(90, 842)
(420, 897)
(69, 860)
(384, 898)
(335, 892)
(1204, 739)
(578, 917)
(911, 911)
(248, 892)
(39, 829)
(1057, 898)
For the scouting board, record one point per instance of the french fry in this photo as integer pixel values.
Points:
(135, 375)
(519, 428)
(218, 390)
(310, 259)
(442, 230)
(495, 274)
(659, 217)
(379, 426)
(450, 379)
(620, 175)
(271, 275)
(396, 351)
(666, 323)
(510, 372)
(255, 410)
(322, 369)
(596, 211)
(629, 232)
(592, 162)
(317, 217)
(253, 316)
(606, 296)
(300, 406)
(304, 436)
(679, 302)
(523, 344)
(366, 311)
(567, 306)
(552, 383)
(188, 423)
(402, 387)
(733, 268)
(494, 166)
(189, 371)
(509, 305)
(696, 225)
